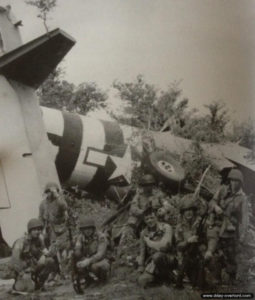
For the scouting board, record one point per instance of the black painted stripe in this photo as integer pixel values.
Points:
(114, 139)
(114, 145)
(70, 146)
(54, 138)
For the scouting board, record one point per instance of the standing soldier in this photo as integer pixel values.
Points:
(228, 223)
(90, 262)
(31, 261)
(156, 261)
(189, 239)
(53, 212)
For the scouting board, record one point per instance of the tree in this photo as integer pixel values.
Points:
(171, 110)
(209, 128)
(55, 92)
(61, 94)
(44, 7)
(87, 97)
(138, 98)
(147, 107)
(216, 120)
(244, 134)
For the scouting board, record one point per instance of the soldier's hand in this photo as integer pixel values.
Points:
(193, 239)
(218, 210)
(152, 244)
(84, 263)
(208, 255)
(46, 252)
(41, 260)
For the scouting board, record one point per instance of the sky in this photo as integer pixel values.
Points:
(207, 45)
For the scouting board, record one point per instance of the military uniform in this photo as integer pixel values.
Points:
(156, 257)
(246, 248)
(53, 214)
(141, 202)
(227, 225)
(94, 249)
(189, 255)
(30, 256)
(190, 242)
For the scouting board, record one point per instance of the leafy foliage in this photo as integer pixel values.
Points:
(146, 106)
(209, 128)
(195, 162)
(244, 133)
(61, 94)
(87, 97)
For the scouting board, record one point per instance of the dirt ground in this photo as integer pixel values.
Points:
(115, 290)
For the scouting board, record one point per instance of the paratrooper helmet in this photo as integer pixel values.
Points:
(86, 222)
(34, 223)
(235, 174)
(50, 185)
(147, 179)
(187, 202)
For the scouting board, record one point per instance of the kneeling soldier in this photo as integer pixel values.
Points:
(156, 261)
(31, 261)
(90, 250)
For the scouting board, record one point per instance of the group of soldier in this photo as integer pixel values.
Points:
(37, 256)
(203, 242)
(209, 244)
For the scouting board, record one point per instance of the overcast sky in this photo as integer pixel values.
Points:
(207, 44)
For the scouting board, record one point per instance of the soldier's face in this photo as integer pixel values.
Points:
(53, 193)
(235, 185)
(188, 214)
(150, 220)
(88, 231)
(35, 232)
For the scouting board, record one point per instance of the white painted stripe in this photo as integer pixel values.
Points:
(93, 136)
(53, 120)
(95, 157)
(54, 123)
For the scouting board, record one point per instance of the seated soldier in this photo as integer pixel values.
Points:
(155, 261)
(31, 261)
(144, 198)
(141, 201)
(90, 250)
(189, 237)
(147, 196)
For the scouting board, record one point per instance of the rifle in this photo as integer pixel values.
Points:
(192, 254)
(126, 201)
(198, 188)
(192, 250)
